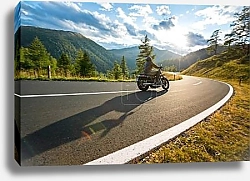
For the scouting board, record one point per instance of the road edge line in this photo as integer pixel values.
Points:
(133, 151)
(73, 94)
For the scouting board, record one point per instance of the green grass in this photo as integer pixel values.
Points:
(25, 76)
(96, 79)
(222, 137)
(219, 67)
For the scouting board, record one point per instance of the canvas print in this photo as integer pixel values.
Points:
(105, 83)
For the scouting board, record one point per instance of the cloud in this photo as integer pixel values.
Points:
(52, 14)
(17, 16)
(195, 39)
(142, 33)
(105, 6)
(128, 22)
(164, 24)
(92, 24)
(131, 29)
(125, 18)
(215, 15)
(163, 10)
(140, 10)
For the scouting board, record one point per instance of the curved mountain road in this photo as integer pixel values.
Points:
(86, 123)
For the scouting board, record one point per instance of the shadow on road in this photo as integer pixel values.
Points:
(74, 127)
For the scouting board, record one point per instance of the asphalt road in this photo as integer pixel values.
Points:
(73, 123)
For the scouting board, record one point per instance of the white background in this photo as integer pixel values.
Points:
(11, 171)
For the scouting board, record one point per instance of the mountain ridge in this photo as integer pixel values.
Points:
(58, 41)
(131, 54)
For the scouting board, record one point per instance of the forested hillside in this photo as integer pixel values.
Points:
(57, 42)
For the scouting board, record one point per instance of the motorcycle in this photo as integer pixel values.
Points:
(145, 81)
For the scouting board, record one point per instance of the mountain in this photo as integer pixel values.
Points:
(165, 55)
(58, 41)
(132, 53)
(224, 65)
(191, 58)
(201, 54)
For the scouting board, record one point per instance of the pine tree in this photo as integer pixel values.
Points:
(213, 42)
(145, 51)
(17, 61)
(38, 55)
(241, 29)
(64, 63)
(117, 71)
(124, 68)
(229, 39)
(84, 66)
(25, 62)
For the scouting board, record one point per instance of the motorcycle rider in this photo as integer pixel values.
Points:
(150, 69)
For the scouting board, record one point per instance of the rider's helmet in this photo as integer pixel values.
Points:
(148, 58)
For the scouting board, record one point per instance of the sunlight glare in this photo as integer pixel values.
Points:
(175, 36)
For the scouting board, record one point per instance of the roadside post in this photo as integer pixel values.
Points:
(49, 72)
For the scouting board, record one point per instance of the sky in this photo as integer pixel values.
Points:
(181, 28)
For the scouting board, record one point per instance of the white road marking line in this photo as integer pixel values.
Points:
(128, 153)
(72, 94)
(198, 83)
